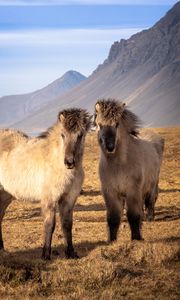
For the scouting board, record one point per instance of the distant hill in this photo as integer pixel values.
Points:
(143, 71)
(16, 107)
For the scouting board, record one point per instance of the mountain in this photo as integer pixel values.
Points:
(16, 107)
(143, 71)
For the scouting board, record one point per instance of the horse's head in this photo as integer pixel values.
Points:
(107, 119)
(74, 126)
(114, 123)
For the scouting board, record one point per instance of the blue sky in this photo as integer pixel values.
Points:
(40, 40)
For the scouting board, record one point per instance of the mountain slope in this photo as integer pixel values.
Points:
(15, 108)
(143, 71)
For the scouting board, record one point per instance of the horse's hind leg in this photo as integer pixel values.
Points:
(5, 200)
(150, 201)
(49, 214)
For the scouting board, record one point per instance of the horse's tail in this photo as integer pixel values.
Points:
(159, 146)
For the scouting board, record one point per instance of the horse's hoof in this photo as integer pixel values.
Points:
(45, 257)
(3, 252)
(150, 219)
(55, 252)
(71, 255)
(137, 238)
(111, 241)
(75, 256)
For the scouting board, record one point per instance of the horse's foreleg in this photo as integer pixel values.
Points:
(114, 213)
(49, 214)
(134, 215)
(66, 216)
(5, 200)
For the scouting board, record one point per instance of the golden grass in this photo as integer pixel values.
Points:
(123, 270)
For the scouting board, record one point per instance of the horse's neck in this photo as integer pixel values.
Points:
(55, 149)
(123, 147)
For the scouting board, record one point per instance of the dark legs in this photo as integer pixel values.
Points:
(134, 215)
(113, 220)
(66, 215)
(135, 225)
(49, 213)
(5, 200)
(150, 201)
(114, 214)
(115, 207)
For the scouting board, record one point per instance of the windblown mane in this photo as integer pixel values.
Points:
(75, 119)
(45, 134)
(113, 111)
(131, 122)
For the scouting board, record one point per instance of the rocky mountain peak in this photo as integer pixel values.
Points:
(156, 46)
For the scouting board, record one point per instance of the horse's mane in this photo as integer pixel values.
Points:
(111, 110)
(73, 120)
(131, 122)
(45, 134)
(114, 111)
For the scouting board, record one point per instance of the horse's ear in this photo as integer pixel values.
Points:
(90, 118)
(89, 122)
(97, 106)
(61, 117)
(123, 105)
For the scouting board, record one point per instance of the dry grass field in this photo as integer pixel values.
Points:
(123, 270)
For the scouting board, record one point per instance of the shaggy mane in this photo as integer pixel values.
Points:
(75, 119)
(45, 134)
(114, 111)
(131, 122)
(111, 110)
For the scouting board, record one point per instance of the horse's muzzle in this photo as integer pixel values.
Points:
(69, 163)
(110, 147)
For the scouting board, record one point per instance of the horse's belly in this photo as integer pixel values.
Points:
(21, 188)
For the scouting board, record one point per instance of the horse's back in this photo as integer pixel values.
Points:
(155, 139)
(9, 139)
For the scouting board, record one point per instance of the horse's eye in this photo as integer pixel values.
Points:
(62, 135)
(117, 125)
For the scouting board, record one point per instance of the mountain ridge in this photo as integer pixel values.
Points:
(143, 71)
(16, 107)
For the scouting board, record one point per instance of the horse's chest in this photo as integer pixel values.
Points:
(117, 179)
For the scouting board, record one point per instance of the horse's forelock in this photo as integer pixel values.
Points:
(114, 111)
(75, 120)
(111, 110)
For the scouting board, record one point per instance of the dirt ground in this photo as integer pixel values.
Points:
(123, 270)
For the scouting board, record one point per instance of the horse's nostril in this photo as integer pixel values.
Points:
(110, 147)
(69, 162)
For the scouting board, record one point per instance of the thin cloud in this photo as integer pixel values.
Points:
(32, 59)
(85, 2)
(64, 36)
